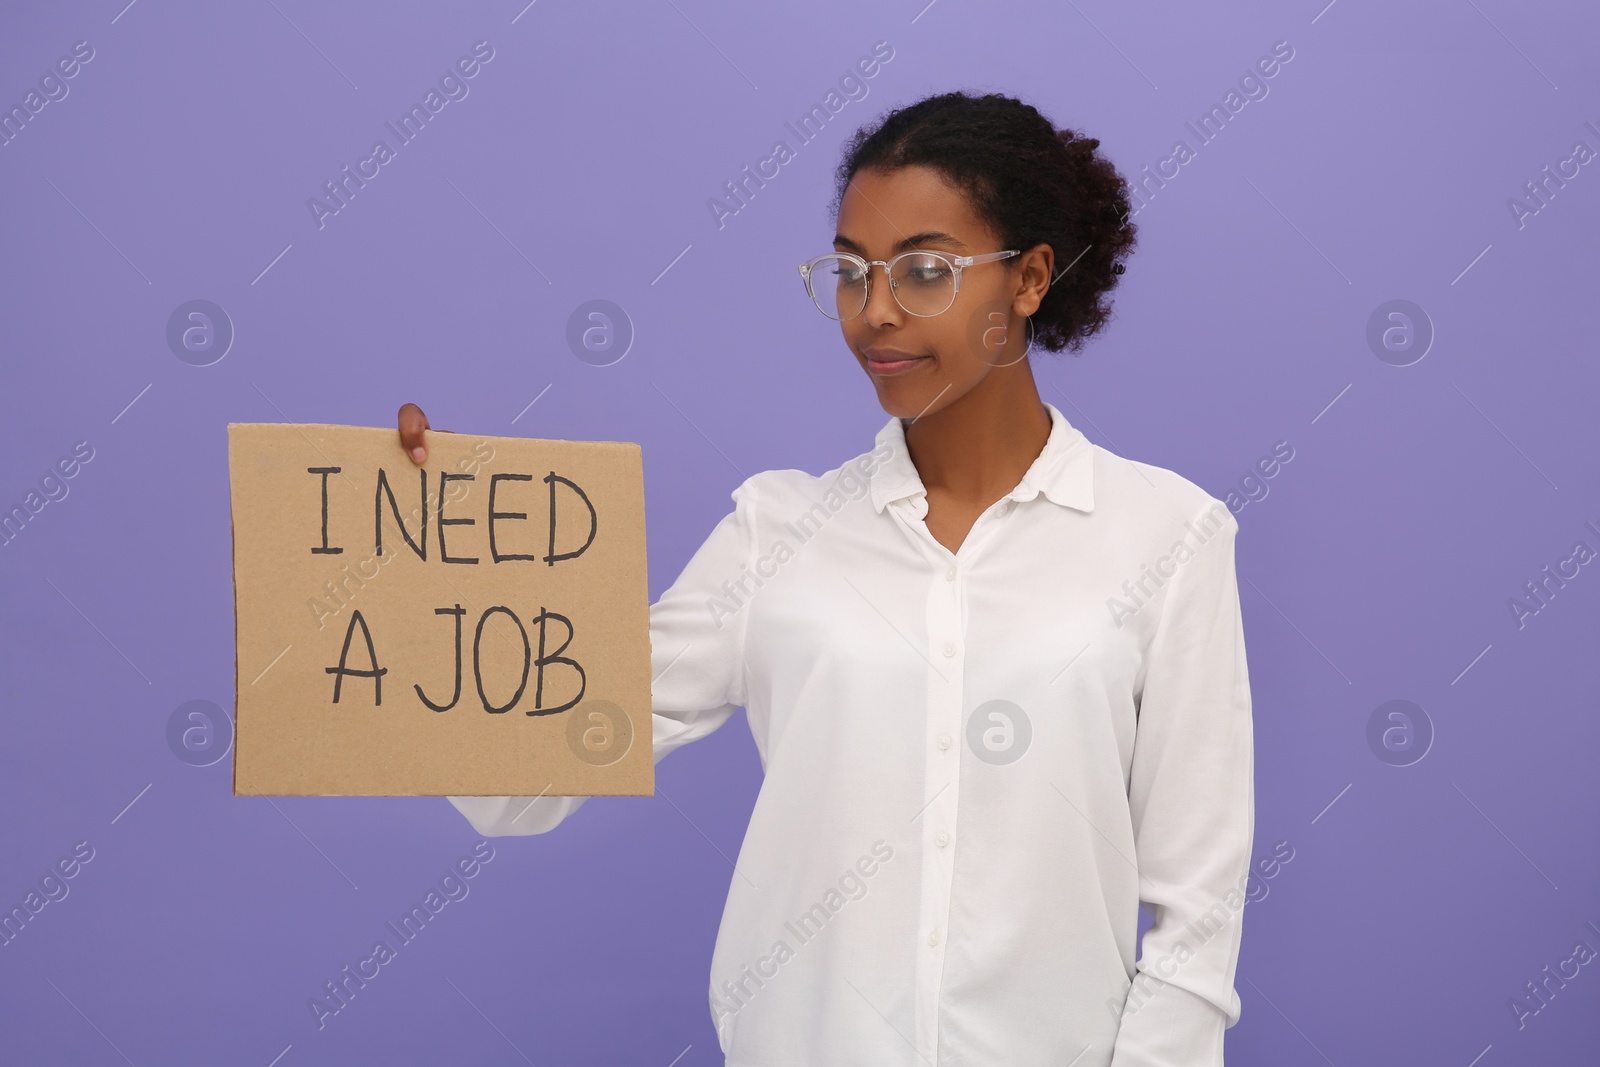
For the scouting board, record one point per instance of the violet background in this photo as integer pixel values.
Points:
(1421, 898)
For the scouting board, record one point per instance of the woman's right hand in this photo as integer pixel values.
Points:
(413, 438)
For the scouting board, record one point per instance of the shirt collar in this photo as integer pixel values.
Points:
(1063, 471)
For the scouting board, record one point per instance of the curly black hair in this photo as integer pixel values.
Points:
(1029, 181)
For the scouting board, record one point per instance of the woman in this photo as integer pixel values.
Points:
(996, 674)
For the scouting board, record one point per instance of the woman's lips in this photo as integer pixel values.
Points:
(890, 362)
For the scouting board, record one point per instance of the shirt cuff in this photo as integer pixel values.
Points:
(516, 816)
(1165, 1025)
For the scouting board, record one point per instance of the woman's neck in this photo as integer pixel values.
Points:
(978, 448)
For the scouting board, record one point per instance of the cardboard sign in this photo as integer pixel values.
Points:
(478, 626)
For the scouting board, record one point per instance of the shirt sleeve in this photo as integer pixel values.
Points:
(697, 637)
(1192, 800)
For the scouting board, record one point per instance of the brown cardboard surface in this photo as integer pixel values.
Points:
(308, 575)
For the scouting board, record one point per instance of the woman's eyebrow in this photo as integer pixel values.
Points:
(905, 243)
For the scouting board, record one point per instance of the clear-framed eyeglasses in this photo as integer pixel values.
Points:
(923, 282)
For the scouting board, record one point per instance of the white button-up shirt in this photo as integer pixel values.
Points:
(977, 764)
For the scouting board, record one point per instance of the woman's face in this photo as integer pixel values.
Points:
(980, 338)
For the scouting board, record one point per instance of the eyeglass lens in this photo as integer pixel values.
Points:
(922, 284)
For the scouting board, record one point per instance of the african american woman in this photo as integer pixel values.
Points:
(995, 672)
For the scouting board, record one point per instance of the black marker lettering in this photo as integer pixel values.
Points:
(444, 555)
(494, 480)
(458, 611)
(540, 620)
(477, 669)
(377, 515)
(376, 673)
(552, 479)
(325, 471)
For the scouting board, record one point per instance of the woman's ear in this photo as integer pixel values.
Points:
(1034, 278)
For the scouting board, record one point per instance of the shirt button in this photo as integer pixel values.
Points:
(950, 575)
(944, 740)
(933, 937)
(950, 648)
(943, 839)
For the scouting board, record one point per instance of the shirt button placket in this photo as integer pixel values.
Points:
(943, 764)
